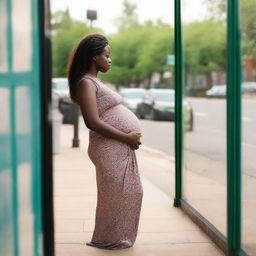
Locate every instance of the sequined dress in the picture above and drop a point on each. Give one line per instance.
(119, 188)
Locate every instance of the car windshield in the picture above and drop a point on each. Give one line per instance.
(133, 95)
(164, 96)
(60, 85)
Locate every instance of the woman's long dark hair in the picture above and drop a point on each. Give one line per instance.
(80, 59)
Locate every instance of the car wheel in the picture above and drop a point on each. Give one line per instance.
(139, 115)
(153, 115)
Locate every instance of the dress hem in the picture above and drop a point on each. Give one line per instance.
(111, 246)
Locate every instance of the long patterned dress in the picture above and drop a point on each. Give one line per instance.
(119, 188)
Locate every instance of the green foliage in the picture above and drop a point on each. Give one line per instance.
(205, 44)
(248, 26)
(153, 55)
(66, 35)
(138, 52)
(129, 18)
(218, 10)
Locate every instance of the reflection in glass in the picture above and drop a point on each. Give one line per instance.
(26, 227)
(248, 43)
(23, 110)
(205, 89)
(24, 157)
(22, 35)
(3, 37)
(6, 233)
(6, 230)
(5, 111)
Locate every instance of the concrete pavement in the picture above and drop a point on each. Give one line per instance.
(163, 229)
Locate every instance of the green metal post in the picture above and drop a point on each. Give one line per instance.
(234, 130)
(178, 73)
(36, 131)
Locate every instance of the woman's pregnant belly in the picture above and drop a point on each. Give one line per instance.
(101, 148)
(121, 118)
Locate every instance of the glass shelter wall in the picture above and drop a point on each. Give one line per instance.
(205, 163)
(248, 55)
(20, 130)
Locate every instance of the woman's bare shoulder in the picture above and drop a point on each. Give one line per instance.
(85, 88)
(86, 82)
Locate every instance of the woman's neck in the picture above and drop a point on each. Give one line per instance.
(92, 72)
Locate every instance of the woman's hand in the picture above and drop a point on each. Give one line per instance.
(133, 139)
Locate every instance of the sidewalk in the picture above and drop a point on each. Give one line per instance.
(163, 230)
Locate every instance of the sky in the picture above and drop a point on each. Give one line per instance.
(109, 10)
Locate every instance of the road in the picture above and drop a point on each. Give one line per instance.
(205, 147)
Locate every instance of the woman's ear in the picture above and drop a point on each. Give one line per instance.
(94, 58)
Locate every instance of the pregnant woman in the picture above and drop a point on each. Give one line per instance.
(113, 138)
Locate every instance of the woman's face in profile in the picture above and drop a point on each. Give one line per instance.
(103, 61)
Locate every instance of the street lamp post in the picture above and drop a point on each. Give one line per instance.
(91, 15)
(76, 142)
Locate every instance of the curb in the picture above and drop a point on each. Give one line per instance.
(157, 152)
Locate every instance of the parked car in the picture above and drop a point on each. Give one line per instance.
(159, 104)
(67, 109)
(60, 86)
(217, 91)
(60, 91)
(249, 87)
(132, 97)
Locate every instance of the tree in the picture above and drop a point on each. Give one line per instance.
(154, 54)
(61, 20)
(248, 26)
(66, 34)
(129, 18)
(138, 52)
(204, 48)
(217, 9)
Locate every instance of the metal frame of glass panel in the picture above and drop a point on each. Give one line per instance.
(232, 244)
(47, 158)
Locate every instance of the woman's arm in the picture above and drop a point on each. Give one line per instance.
(86, 97)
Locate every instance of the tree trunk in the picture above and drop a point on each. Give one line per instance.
(161, 77)
(208, 80)
(148, 85)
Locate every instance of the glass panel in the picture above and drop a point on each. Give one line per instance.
(23, 110)
(3, 37)
(248, 43)
(6, 233)
(22, 35)
(24, 172)
(26, 227)
(204, 35)
(5, 111)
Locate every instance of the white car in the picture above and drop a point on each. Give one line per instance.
(60, 87)
(61, 99)
(132, 97)
(159, 104)
(249, 87)
(217, 91)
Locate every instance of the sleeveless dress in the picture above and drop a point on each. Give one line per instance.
(119, 188)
